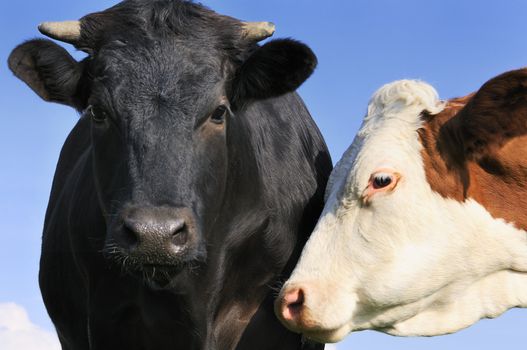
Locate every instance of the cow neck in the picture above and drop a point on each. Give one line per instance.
(240, 302)
(497, 181)
(232, 301)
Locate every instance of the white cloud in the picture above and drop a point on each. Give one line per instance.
(17, 332)
(330, 347)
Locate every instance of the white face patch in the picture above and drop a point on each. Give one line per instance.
(406, 261)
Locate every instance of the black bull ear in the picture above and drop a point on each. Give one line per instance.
(48, 69)
(276, 68)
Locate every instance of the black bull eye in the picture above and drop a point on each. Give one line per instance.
(97, 114)
(218, 116)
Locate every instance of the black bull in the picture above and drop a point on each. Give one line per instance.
(185, 192)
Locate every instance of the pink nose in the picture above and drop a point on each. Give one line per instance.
(292, 304)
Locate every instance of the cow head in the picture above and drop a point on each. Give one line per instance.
(423, 231)
(160, 86)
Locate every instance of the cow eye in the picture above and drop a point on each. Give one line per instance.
(218, 116)
(97, 114)
(382, 180)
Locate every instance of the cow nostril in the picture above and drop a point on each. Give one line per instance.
(130, 237)
(180, 235)
(293, 304)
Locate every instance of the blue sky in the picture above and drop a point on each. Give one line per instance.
(361, 44)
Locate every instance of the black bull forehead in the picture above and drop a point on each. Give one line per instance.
(161, 80)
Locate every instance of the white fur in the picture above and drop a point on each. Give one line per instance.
(410, 262)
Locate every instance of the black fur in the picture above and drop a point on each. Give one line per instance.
(277, 67)
(251, 185)
(48, 69)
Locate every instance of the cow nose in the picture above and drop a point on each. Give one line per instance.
(157, 233)
(139, 232)
(291, 305)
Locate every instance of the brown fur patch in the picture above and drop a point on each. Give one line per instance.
(477, 148)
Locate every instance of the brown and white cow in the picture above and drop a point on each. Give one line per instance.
(424, 228)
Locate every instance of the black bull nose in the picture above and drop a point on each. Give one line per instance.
(158, 235)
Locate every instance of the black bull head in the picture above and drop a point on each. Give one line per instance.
(192, 167)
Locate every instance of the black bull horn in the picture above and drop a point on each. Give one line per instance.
(70, 31)
(256, 31)
(67, 31)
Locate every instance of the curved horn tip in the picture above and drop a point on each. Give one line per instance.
(259, 30)
(269, 27)
(68, 31)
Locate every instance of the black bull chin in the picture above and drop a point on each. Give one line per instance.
(163, 277)
(157, 276)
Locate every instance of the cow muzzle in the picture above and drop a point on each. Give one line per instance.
(298, 307)
(150, 239)
(290, 307)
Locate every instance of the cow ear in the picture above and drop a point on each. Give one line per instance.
(276, 68)
(48, 69)
(494, 115)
